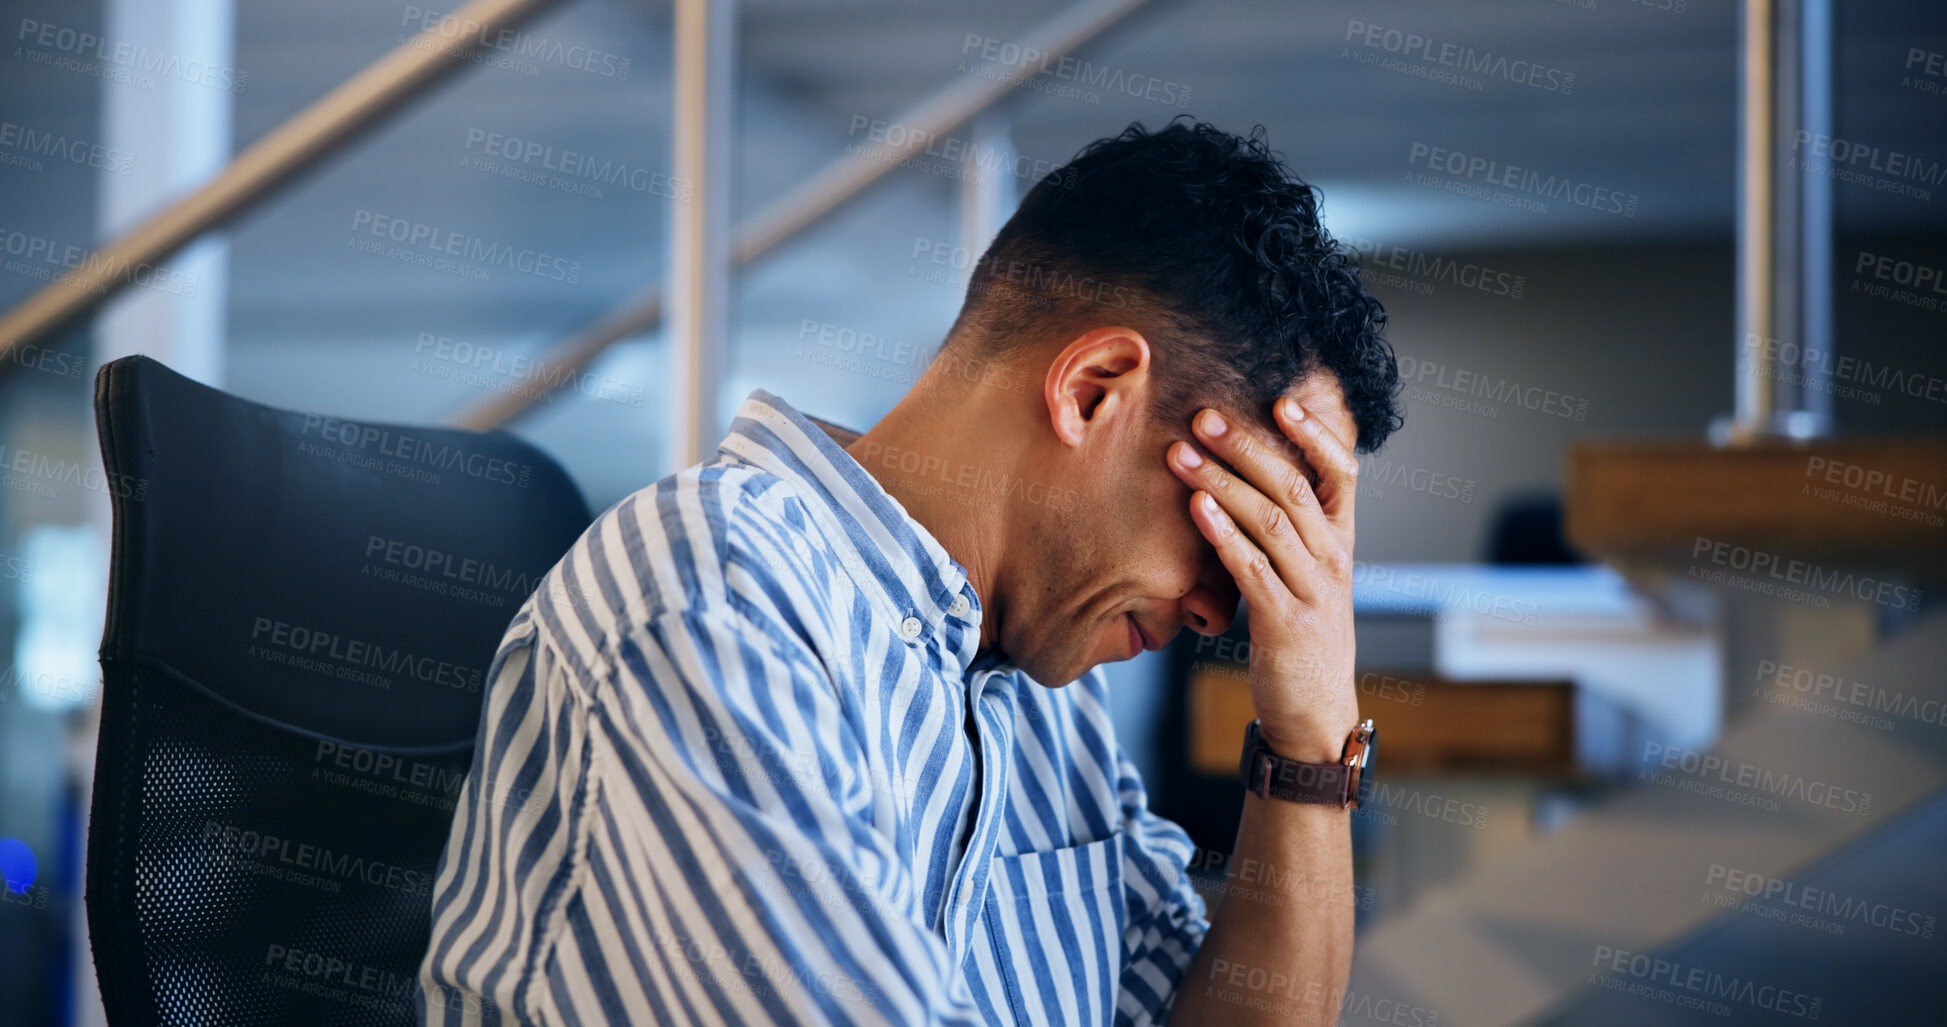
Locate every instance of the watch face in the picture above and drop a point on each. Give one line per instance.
(1365, 765)
(1247, 766)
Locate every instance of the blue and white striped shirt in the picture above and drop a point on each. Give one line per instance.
(742, 761)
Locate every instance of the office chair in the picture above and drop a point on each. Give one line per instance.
(301, 613)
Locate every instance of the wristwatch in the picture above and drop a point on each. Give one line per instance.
(1343, 784)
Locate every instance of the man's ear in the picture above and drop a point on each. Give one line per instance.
(1097, 380)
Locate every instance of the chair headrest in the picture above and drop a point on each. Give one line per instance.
(344, 578)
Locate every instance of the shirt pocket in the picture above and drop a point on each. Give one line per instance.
(1054, 920)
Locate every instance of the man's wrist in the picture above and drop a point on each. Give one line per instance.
(1315, 742)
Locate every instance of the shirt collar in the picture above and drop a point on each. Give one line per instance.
(896, 561)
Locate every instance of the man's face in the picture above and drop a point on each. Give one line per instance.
(1127, 553)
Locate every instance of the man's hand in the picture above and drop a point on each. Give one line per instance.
(1286, 539)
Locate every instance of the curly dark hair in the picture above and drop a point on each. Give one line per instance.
(1206, 241)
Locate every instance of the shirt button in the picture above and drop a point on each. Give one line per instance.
(960, 606)
(909, 628)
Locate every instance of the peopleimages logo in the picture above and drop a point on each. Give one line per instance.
(388, 768)
(466, 32)
(1037, 284)
(1412, 45)
(1880, 169)
(1926, 70)
(968, 479)
(397, 453)
(396, 988)
(1396, 588)
(45, 259)
(306, 648)
(1429, 269)
(135, 60)
(501, 370)
(14, 568)
(1822, 901)
(1304, 998)
(693, 958)
(1695, 986)
(1519, 180)
(1700, 767)
(1376, 473)
(444, 573)
(864, 344)
(1422, 374)
(1901, 272)
(1903, 281)
(959, 154)
(529, 160)
(65, 472)
(1431, 805)
(1822, 370)
(67, 691)
(1813, 686)
(28, 144)
(1876, 491)
(1031, 64)
(417, 236)
(230, 842)
(41, 358)
(1798, 572)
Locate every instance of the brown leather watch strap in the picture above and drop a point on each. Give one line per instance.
(1272, 776)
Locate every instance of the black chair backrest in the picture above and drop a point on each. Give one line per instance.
(301, 613)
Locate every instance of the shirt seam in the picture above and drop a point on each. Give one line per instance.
(1008, 971)
(550, 918)
(861, 577)
(829, 511)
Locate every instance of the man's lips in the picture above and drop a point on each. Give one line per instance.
(1139, 640)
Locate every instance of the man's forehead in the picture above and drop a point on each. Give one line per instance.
(1319, 395)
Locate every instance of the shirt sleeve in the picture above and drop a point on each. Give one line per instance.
(1167, 919)
(733, 872)
(508, 841)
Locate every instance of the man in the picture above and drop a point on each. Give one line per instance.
(811, 733)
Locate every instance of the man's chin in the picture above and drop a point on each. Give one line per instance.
(1055, 664)
(1054, 673)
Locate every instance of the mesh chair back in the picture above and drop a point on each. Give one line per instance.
(300, 618)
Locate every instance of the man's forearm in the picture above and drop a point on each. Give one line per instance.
(1280, 946)
(1284, 532)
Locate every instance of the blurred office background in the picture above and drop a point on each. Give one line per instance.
(1530, 692)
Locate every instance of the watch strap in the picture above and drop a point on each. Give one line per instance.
(1271, 776)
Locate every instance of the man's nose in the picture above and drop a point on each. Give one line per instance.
(1211, 604)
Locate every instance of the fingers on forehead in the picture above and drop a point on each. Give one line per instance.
(1331, 451)
(1277, 444)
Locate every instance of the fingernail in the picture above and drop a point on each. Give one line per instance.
(1188, 456)
(1209, 503)
(1292, 411)
(1213, 423)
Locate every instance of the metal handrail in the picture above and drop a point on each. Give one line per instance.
(804, 206)
(360, 103)
(357, 106)
(1784, 226)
